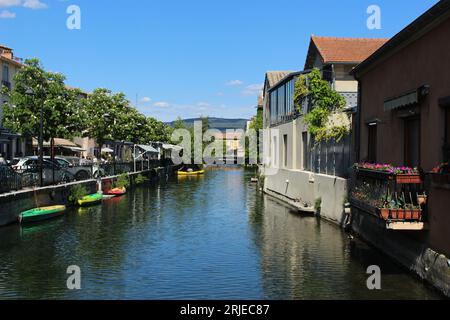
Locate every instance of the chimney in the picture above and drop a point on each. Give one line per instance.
(6, 52)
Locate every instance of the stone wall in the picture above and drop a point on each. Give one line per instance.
(12, 204)
(306, 187)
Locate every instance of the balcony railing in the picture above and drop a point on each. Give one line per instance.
(393, 198)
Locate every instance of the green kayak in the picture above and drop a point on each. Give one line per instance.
(40, 214)
(90, 200)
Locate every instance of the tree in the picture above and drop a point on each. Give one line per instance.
(104, 114)
(42, 97)
(34, 89)
(323, 121)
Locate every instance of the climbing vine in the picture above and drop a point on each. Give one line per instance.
(325, 121)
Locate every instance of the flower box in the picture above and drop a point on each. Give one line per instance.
(408, 178)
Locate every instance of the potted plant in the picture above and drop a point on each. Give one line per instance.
(422, 199)
(384, 213)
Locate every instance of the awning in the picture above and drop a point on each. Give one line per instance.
(402, 101)
(147, 149)
(63, 143)
(107, 150)
(172, 147)
(75, 149)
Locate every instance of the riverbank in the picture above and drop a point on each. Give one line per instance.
(12, 204)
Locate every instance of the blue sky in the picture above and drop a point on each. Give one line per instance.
(187, 58)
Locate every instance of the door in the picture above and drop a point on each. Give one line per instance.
(412, 141)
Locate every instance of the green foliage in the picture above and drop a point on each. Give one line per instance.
(110, 117)
(102, 115)
(301, 91)
(257, 121)
(326, 104)
(140, 179)
(318, 204)
(179, 124)
(123, 181)
(77, 192)
(60, 105)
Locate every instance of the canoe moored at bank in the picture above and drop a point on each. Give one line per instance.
(190, 173)
(41, 214)
(116, 192)
(90, 200)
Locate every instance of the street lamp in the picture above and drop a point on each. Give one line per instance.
(31, 93)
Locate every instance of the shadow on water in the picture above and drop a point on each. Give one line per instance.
(208, 237)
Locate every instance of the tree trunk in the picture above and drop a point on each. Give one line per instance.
(100, 146)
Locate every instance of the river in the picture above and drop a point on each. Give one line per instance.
(211, 237)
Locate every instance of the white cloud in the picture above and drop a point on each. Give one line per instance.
(161, 104)
(34, 4)
(10, 3)
(5, 14)
(145, 100)
(234, 83)
(29, 4)
(203, 104)
(253, 89)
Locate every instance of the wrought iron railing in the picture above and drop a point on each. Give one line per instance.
(29, 176)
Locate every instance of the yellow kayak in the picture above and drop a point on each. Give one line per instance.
(192, 173)
(90, 200)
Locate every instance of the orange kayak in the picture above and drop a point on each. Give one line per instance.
(116, 192)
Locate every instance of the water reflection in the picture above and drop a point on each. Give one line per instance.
(211, 237)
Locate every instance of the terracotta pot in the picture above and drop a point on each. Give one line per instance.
(384, 214)
(408, 214)
(417, 214)
(394, 214)
(422, 200)
(398, 214)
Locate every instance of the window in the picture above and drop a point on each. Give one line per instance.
(372, 143)
(5, 76)
(273, 107)
(412, 141)
(285, 150)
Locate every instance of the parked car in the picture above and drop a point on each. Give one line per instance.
(30, 171)
(79, 172)
(79, 165)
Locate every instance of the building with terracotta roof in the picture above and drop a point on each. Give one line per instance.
(298, 169)
(336, 58)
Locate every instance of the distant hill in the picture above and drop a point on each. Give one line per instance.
(218, 123)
